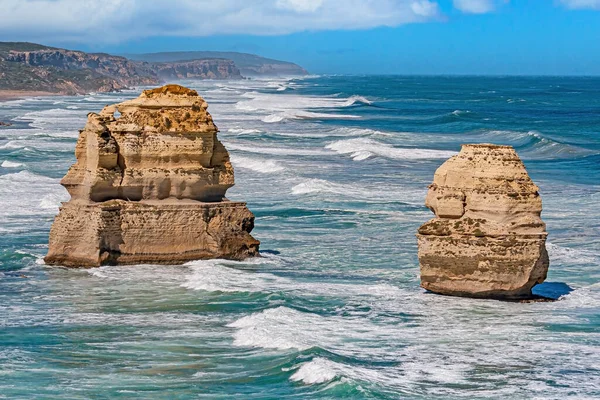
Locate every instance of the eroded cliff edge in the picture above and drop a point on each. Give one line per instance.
(488, 238)
(36, 68)
(149, 186)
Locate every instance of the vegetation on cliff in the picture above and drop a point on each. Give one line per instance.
(249, 64)
(34, 67)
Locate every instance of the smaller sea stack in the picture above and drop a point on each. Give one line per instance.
(487, 239)
(149, 187)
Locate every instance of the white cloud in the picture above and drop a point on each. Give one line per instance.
(120, 20)
(580, 4)
(474, 6)
(425, 8)
(300, 5)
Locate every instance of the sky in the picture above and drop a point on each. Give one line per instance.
(482, 37)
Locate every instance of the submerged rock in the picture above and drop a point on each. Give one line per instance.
(487, 239)
(149, 187)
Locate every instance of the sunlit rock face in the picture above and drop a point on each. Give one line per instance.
(487, 238)
(149, 186)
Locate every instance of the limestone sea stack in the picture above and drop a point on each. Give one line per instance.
(487, 238)
(149, 186)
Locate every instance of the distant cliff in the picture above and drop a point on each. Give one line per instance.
(249, 64)
(34, 67)
(196, 69)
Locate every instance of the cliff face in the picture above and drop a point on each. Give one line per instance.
(197, 69)
(487, 239)
(122, 70)
(249, 64)
(149, 186)
(30, 67)
(274, 69)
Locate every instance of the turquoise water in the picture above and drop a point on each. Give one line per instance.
(336, 170)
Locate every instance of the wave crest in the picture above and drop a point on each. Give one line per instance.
(363, 148)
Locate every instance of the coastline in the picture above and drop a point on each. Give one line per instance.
(6, 95)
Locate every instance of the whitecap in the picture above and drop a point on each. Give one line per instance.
(256, 164)
(363, 148)
(318, 370)
(231, 276)
(10, 164)
(460, 112)
(568, 255)
(242, 131)
(213, 276)
(339, 191)
(276, 150)
(25, 195)
(280, 107)
(321, 185)
(357, 99)
(12, 144)
(56, 118)
(281, 328)
(270, 119)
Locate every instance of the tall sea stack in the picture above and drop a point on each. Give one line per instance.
(149, 187)
(487, 238)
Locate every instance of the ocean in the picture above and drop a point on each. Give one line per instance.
(336, 170)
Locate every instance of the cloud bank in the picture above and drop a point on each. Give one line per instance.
(121, 20)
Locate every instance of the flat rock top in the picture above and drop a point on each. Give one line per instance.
(486, 146)
(168, 96)
(170, 108)
(175, 90)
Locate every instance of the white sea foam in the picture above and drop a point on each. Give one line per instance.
(318, 370)
(10, 164)
(363, 192)
(242, 131)
(324, 186)
(25, 194)
(460, 112)
(300, 114)
(61, 134)
(311, 131)
(282, 107)
(228, 276)
(567, 255)
(12, 144)
(587, 297)
(282, 151)
(56, 118)
(256, 164)
(363, 148)
(211, 276)
(282, 328)
(269, 119)
(12, 103)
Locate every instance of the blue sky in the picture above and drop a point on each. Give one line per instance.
(557, 37)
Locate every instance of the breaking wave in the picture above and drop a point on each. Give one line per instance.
(256, 164)
(363, 148)
(286, 107)
(10, 164)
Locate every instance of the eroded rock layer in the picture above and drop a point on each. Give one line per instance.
(149, 185)
(487, 239)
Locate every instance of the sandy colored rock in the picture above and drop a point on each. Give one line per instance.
(149, 186)
(488, 238)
